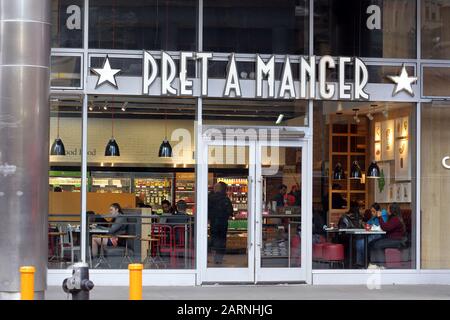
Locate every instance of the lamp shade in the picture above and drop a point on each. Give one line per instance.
(373, 171)
(165, 150)
(112, 148)
(356, 171)
(58, 148)
(338, 173)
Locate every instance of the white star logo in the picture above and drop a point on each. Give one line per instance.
(403, 82)
(106, 74)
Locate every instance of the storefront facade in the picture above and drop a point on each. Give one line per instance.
(228, 85)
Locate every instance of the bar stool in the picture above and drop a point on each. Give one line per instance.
(56, 254)
(317, 254)
(102, 259)
(126, 256)
(333, 253)
(149, 259)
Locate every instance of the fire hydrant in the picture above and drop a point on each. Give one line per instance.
(78, 284)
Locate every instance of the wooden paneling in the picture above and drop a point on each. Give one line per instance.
(70, 202)
(435, 192)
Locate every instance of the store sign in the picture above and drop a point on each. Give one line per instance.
(446, 162)
(312, 84)
(264, 69)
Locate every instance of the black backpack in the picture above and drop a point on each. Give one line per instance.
(346, 222)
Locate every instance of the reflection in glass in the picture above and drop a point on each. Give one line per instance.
(65, 71)
(281, 215)
(143, 24)
(67, 23)
(271, 26)
(435, 29)
(385, 29)
(228, 207)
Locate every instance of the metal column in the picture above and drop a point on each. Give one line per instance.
(24, 141)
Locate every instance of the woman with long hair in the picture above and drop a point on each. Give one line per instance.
(395, 234)
(118, 227)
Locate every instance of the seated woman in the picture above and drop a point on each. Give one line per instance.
(118, 227)
(373, 221)
(395, 234)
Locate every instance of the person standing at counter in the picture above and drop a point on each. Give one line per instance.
(118, 227)
(220, 209)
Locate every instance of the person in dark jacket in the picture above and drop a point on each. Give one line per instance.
(119, 226)
(395, 234)
(220, 210)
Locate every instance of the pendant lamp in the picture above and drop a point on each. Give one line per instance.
(165, 149)
(58, 148)
(338, 173)
(356, 171)
(112, 148)
(373, 171)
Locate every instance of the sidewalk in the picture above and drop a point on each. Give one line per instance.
(272, 292)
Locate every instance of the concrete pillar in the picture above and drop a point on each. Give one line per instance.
(24, 141)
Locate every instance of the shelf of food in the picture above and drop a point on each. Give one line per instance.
(153, 190)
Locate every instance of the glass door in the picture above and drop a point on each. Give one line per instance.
(255, 205)
(280, 213)
(230, 218)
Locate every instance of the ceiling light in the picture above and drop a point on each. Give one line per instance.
(124, 107)
(280, 118)
(339, 109)
(385, 113)
(356, 171)
(112, 148)
(373, 171)
(165, 149)
(355, 117)
(370, 116)
(58, 148)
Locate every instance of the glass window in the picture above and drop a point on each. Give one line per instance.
(436, 82)
(270, 26)
(64, 182)
(435, 29)
(364, 167)
(65, 71)
(140, 156)
(143, 24)
(435, 186)
(67, 23)
(242, 112)
(386, 29)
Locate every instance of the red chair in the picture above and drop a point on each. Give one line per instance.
(333, 253)
(179, 245)
(164, 233)
(296, 251)
(318, 251)
(393, 258)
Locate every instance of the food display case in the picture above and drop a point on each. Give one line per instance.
(237, 192)
(111, 182)
(67, 181)
(154, 188)
(185, 189)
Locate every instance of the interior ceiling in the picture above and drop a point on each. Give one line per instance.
(365, 107)
(173, 107)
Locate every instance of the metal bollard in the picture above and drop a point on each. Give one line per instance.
(135, 281)
(27, 282)
(79, 284)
